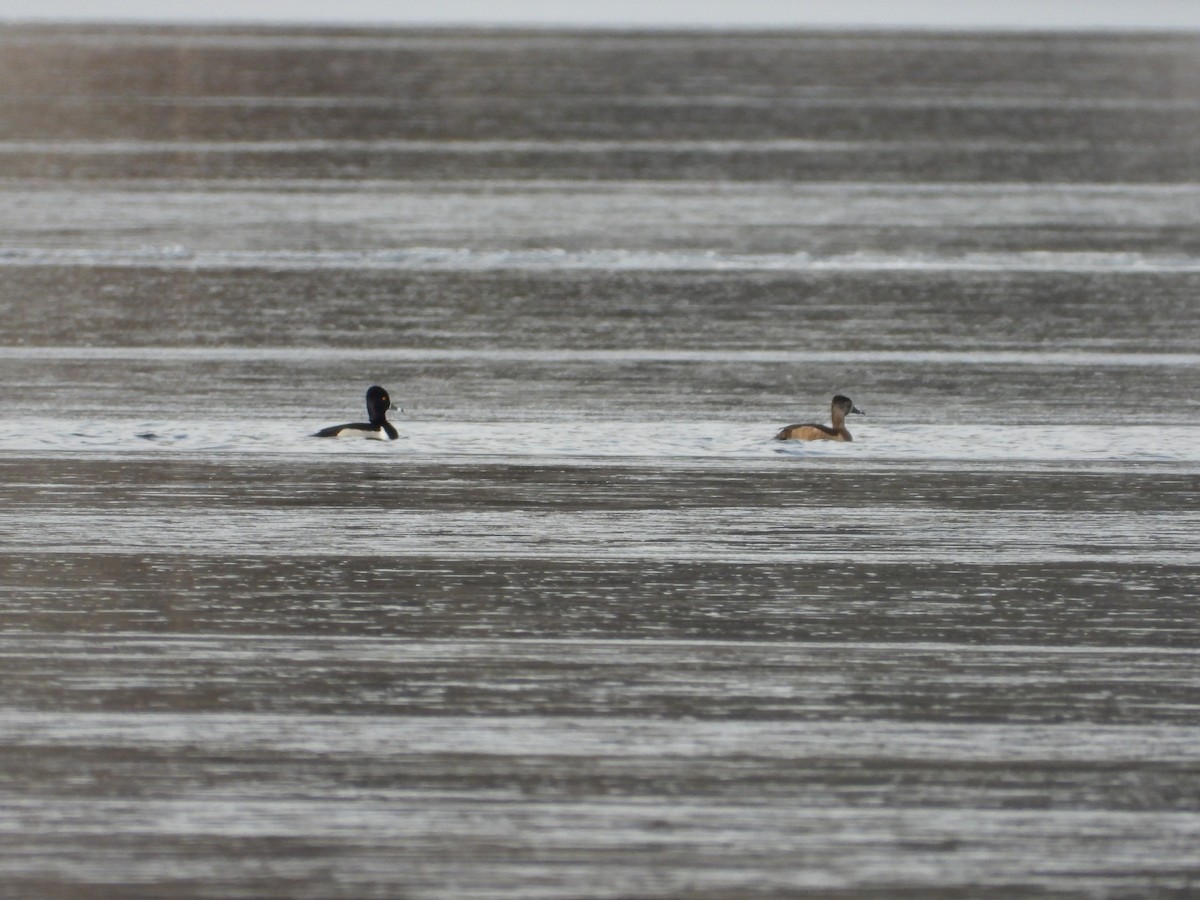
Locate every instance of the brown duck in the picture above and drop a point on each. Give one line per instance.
(835, 431)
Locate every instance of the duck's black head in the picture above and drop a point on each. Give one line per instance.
(846, 405)
(378, 403)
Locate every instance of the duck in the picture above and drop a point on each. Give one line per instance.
(378, 403)
(836, 431)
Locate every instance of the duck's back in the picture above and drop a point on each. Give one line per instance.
(810, 431)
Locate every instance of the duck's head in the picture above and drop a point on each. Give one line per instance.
(378, 403)
(846, 406)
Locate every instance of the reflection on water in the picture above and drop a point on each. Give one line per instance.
(585, 629)
(707, 518)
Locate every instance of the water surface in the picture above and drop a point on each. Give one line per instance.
(585, 629)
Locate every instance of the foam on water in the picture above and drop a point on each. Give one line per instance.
(976, 357)
(555, 259)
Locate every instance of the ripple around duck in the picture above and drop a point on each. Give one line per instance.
(744, 442)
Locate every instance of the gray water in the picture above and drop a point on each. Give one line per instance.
(585, 629)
